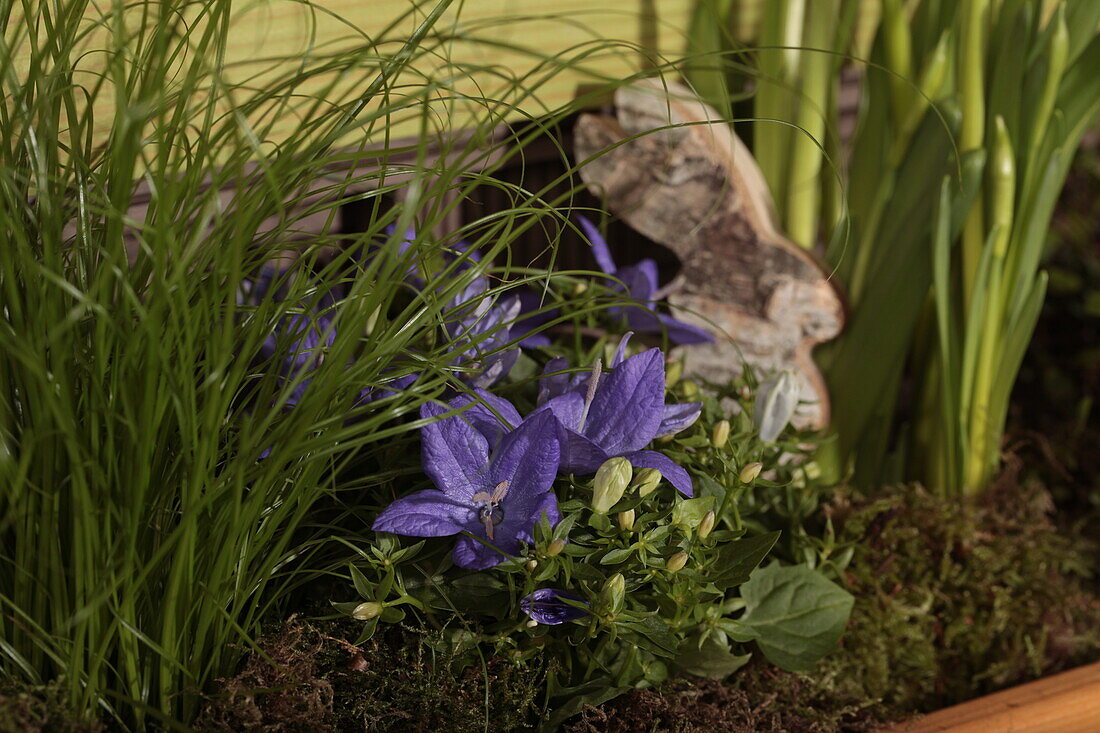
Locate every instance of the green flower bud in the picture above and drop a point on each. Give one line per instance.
(531, 565)
(610, 483)
(720, 434)
(532, 623)
(626, 520)
(646, 481)
(676, 562)
(673, 372)
(367, 611)
(750, 472)
(690, 390)
(706, 524)
(555, 547)
(580, 287)
(612, 595)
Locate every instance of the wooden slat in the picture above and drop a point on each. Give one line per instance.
(1064, 703)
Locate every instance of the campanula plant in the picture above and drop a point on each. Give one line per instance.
(618, 527)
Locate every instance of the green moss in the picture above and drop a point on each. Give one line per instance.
(39, 709)
(954, 602)
(309, 677)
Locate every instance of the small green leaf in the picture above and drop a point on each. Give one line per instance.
(713, 660)
(663, 641)
(362, 586)
(689, 512)
(796, 614)
(616, 556)
(393, 615)
(368, 631)
(737, 560)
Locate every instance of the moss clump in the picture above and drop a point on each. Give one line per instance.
(43, 709)
(954, 602)
(759, 699)
(307, 676)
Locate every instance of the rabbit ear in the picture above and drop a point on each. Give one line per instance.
(673, 170)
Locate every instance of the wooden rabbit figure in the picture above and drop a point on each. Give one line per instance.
(685, 180)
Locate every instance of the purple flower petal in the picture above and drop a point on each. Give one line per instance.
(523, 514)
(640, 281)
(371, 394)
(490, 415)
(568, 408)
(578, 453)
(454, 453)
(535, 341)
(669, 469)
(600, 249)
(546, 605)
(428, 513)
(528, 457)
(626, 411)
(553, 384)
(534, 315)
(620, 352)
(678, 417)
(519, 522)
(473, 555)
(684, 334)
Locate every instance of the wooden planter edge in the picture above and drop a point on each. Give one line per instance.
(1063, 703)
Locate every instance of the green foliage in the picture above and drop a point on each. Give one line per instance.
(794, 614)
(954, 602)
(664, 592)
(969, 115)
(142, 183)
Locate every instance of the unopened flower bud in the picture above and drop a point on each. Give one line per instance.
(626, 520)
(720, 434)
(673, 372)
(532, 623)
(612, 595)
(706, 524)
(367, 611)
(750, 472)
(690, 389)
(646, 481)
(676, 562)
(610, 483)
(555, 547)
(776, 401)
(580, 287)
(531, 565)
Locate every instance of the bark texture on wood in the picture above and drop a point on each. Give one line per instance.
(671, 169)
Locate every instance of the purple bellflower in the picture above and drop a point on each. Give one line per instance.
(492, 482)
(616, 413)
(546, 605)
(305, 337)
(481, 327)
(639, 283)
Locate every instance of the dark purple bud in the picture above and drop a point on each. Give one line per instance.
(546, 605)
